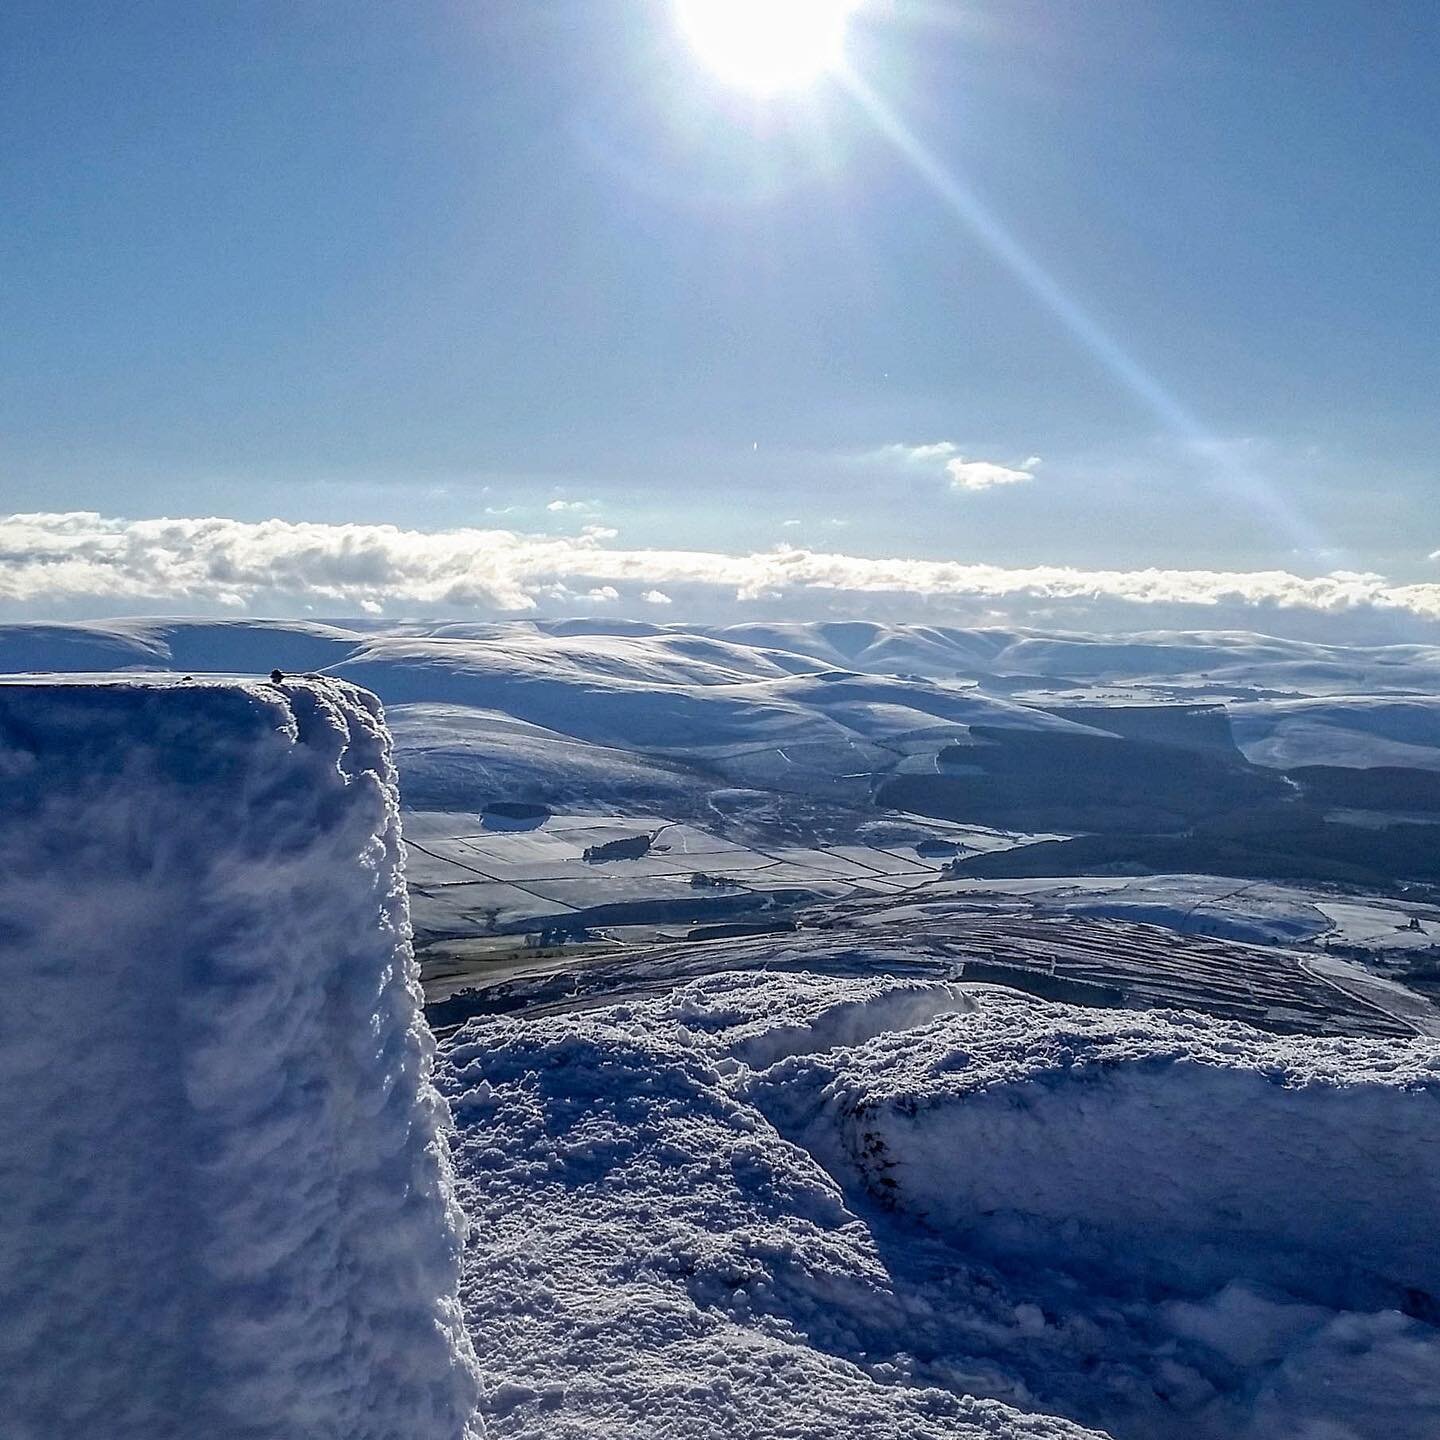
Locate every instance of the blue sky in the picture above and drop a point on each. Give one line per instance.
(450, 265)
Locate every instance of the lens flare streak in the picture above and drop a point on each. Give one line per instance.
(963, 202)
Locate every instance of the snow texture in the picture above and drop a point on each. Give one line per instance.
(228, 1202)
(652, 1260)
(1242, 1154)
(821, 1205)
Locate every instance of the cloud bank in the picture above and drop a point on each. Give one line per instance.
(82, 563)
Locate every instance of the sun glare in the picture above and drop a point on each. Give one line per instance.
(767, 46)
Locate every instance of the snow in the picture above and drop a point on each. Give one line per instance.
(810, 1204)
(229, 1208)
(680, 654)
(456, 756)
(629, 712)
(1351, 731)
(1383, 925)
(1219, 1132)
(1250, 911)
(651, 1259)
(1396, 1000)
(655, 695)
(764, 1187)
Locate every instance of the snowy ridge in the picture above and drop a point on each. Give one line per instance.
(838, 699)
(697, 654)
(229, 1205)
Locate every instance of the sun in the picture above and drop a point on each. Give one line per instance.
(767, 46)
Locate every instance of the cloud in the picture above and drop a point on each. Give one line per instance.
(84, 563)
(916, 454)
(656, 597)
(556, 507)
(983, 474)
(963, 474)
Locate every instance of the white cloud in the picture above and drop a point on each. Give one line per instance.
(557, 506)
(81, 562)
(983, 474)
(916, 454)
(656, 597)
(963, 474)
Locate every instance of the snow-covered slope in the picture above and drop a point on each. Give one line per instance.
(462, 757)
(1351, 731)
(679, 654)
(225, 646)
(227, 1204)
(671, 686)
(795, 732)
(1223, 656)
(1244, 1155)
(653, 1260)
(838, 1205)
(575, 713)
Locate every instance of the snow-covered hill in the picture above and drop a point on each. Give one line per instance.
(832, 689)
(684, 654)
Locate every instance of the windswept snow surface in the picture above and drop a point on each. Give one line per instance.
(827, 1205)
(652, 1259)
(228, 1207)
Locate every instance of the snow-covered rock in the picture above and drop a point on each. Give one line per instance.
(850, 1205)
(652, 1259)
(227, 1200)
(1165, 1147)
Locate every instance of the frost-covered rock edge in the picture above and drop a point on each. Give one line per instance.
(234, 1210)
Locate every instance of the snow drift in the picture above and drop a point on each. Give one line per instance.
(223, 1165)
(849, 1205)
(1160, 1148)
